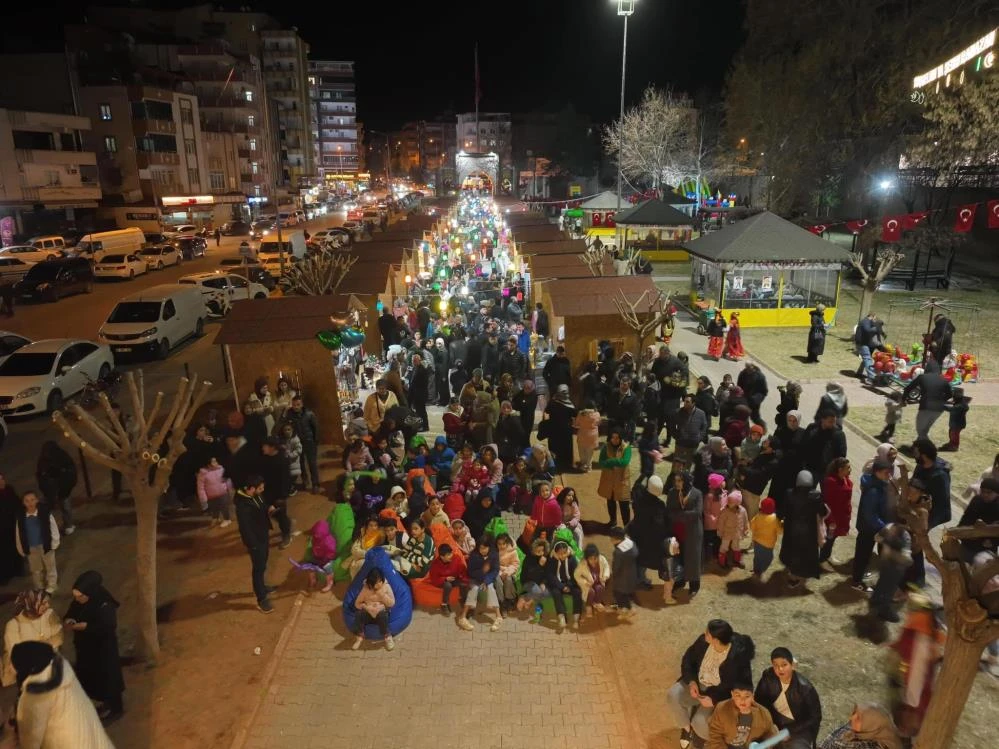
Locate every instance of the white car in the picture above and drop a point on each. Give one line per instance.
(220, 290)
(176, 231)
(13, 268)
(38, 378)
(30, 254)
(120, 266)
(11, 342)
(160, 256)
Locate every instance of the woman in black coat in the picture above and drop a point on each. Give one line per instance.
(650, 528)
(685, 508)
(817, 334)
(791, 699)
(56, 475)
(803, 510)
(561, 414)
(93, 618)
(11, 563)
(789, 443)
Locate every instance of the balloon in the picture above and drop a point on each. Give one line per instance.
(352, 337)
(330, 339)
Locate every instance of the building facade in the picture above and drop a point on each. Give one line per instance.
(337, 133)
(46, 171)
(492, 135)
(285, 63)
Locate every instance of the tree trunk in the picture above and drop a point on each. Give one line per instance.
(950, 693)
(867, 298)
(146, 509)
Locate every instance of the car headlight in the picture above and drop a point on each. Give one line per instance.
(144, 333)
(29, 392)
(42, 286)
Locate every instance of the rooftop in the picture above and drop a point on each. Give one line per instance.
(289, 318)
(594, 296)
(653, 213)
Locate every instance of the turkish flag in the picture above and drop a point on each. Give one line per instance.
(965, 217)
(609, 219)
(891, 228)
(598, 220)
(912, 220)
(855, 227)
(993, 208)
(818, 229)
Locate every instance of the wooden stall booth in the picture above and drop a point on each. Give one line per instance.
(276, 338)
(657, 229)
(770, 271)
(370, 283)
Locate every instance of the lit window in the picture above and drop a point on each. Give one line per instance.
(254, 168)
(253, 144)
(251, 120)
(249, 95)
(105, 112)
(110, 144)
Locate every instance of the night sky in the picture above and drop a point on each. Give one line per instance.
(417, 60)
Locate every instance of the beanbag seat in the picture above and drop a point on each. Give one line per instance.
(401, 614)
(454, 505)
(341, 523)
(426, 595)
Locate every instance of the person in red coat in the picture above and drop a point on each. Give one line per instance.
(547, 512)
(837, 493)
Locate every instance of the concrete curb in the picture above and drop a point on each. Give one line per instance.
(244, 730)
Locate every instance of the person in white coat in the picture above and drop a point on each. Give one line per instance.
(53, 711)
(592, 575)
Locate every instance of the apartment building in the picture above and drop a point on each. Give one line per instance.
(492, 136)
(285, 65)
(46, 172)
(336, 131)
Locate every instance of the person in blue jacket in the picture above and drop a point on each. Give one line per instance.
(872, 516)
(440, 458)
(483, 568)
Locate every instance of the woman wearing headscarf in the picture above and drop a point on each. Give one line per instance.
(558, 430)
(789, 442)
(685, 508)
(870, 727)
(803, 510)
(714, 457)
(33, 619)
(485, 415)
(790, 397)
(791, 699)
(53, 710)
(93, 617)
(816, 334)
(893, 487)
(651, 528)
(259, 412)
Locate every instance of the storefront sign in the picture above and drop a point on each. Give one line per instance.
(142, 216)
(7, 231)
(575, 191)
(767, 283)
(185, 200)
(944, 70)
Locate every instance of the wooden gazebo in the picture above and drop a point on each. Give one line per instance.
(657, 229)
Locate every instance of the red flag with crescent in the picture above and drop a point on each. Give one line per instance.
(855, 227)
(912, 220)
(818, 229)
(891, 228)
(993, 207)
(965, 217)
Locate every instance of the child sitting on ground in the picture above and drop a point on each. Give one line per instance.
(533, 578)
(562, 583)
(398, 501)
(483, 569)
(766, 527)
(447, 571)
(462, 536)
(509, 567)
(473, 477)
(572, 518)
(373, 605)
(320, 556)
(733, 526)
(592, 576)
(358, 457)
(434, 514)
(624, 569)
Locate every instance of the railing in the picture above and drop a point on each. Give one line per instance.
(146, 159)
(61, 192)
(64, 158)
(144, 126)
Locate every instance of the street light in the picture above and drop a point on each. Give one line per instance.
(624, 8)
(886, 184)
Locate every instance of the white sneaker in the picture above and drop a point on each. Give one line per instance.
(465, 624)
(358, 641)
(494, 627)
(561, 622)
(575, 621)
(69, 530)
(225, 524)
(389, 643)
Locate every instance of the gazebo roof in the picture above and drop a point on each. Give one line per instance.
(290, 318)
(605, 201)
(653, 213)
(765, 237)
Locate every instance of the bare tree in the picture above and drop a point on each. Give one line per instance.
(594, 258)
(645, 315)
(319, 274)
(969, 626)
(145, 470)
(885, 261)
(658, 136)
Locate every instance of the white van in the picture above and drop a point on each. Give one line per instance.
(52, 242)
(120, 241)
(154, 320)
(269, 253)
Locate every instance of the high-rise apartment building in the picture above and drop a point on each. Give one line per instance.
(334, 117)
(285, 60)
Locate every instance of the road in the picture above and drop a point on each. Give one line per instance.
(81, 317)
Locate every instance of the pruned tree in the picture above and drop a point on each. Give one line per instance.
(144, 455)
(969, 626)
(594, 258)
(645, 315)
(884, 262)
(319, 274)
(658, 136)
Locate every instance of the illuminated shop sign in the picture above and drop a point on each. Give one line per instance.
(982, 50)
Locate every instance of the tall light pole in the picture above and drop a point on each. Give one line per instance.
(624, 8)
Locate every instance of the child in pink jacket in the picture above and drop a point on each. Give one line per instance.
(733, 526)
(214, 492)
(714, 503)
(509, 571)
(587, 426)
(372, 605)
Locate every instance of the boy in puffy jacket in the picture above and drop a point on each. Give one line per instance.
(214, 492)
(447, 571)
(733, 526)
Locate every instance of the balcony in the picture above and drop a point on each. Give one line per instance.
(252, 179)
(145, 127)
(55, 158)
(209, 100)
(146, 159)
(216, 125)
(218, 73)
(61, 192)
(243, 153)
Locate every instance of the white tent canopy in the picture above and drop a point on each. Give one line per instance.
(605, 201)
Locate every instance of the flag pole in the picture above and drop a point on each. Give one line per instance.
(478, 148)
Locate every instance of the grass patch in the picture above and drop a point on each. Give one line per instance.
(678, 268)
(979, 442)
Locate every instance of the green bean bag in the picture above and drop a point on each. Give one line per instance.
(341, 522)
(564, 534)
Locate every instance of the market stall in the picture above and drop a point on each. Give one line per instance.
(597, 215)
(657, 229)
(769, 270)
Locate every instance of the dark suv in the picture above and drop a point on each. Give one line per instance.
(190, 246)
(51, 280)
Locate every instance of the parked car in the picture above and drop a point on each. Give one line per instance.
(13, 268)
(287, 219)
(176, 231)
(11, 342)
(235, 228)
(159, 256)
(251, 270)
(154, 320)
(30, 254)
(37, 378)
(220, 290)
(120, 266)
(53, 242)
(155, 237)
(190, 246)
(51, 280)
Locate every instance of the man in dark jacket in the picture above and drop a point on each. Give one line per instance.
(623, 409)
(934, 474)
(872, 516)
(690, 427)
(824, 441)
(307, 429)
(525, 402)
(717, 661)
(253, 517)
(512, 361)
(388, 328)
(419, 383)
(273, 468)
(754, 385)
(541, 325)
(238, 458)
(934, 392)
(442, 365)
(490, 359)
(557, 370)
